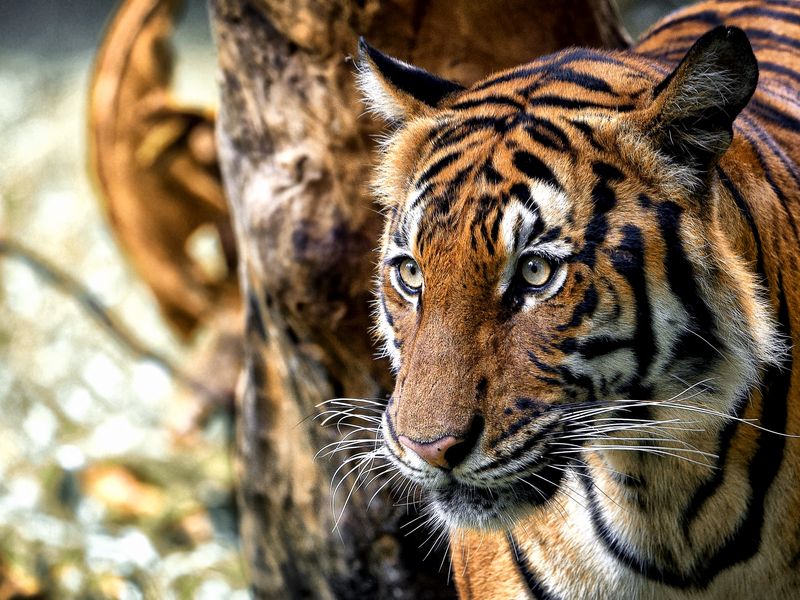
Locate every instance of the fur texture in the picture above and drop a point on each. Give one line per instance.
(628, 429)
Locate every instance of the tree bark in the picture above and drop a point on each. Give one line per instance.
(296, 154)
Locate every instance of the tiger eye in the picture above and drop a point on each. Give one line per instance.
(410, 274)
(535, 270)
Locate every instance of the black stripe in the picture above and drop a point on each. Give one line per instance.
(710, 486)
(600, 346)
(751, 222)
(775, 115)
(400, 238)
(479, 219)
(581, 381)
(603, 200)
(674, 55)
(573, 104)
(532, 167)
(254, 323)
(635, 562)
(762, 34)
(681, 278)
(536, 588)
(588, 132)
(449, 135)
(584, 80)
(709, 17)
(539, 364)
(552, 234)
(763, 468)
(567, 57)
(779, 69)
(765, 139)
(628, 260)
(607, 172)
(498, 217)
(487, 238)
(760, 11)
(387, 315)
(493, 100)
(585, 307)
(767, 460)
(437, 167)
(533, 440)
(547, 134)
(522, 194)
(491, 174)
(456, 133)
(745, 541)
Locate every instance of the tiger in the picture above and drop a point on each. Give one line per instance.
(588, 292)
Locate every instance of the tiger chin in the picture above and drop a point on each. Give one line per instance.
(588, 290)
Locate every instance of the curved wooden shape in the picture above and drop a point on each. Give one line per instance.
(155, 165)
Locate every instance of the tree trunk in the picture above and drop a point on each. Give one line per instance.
(296, 153)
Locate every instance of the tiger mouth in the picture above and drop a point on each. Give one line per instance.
(461, 504)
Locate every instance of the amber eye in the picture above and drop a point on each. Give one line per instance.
(536, 271)
(410, 274)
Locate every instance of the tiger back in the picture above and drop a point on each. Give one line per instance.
(589, 293)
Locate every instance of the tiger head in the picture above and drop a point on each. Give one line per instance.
(562, 271)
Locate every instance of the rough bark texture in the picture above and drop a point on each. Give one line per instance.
(296, 154)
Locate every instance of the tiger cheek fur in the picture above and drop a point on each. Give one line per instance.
(579, 296)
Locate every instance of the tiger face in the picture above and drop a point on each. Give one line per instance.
(561, 280)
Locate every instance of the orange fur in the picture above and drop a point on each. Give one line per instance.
(672, 299)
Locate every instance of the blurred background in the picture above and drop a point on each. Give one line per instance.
(107, 488)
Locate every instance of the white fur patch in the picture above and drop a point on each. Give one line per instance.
(518, 223)
(378, 94)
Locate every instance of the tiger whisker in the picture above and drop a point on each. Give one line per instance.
(364, 465)
(563, 489)
(642, 449)
(361, 461)
(345, 443)
(377, 402)
(383, 485)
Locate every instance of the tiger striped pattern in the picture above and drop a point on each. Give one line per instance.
(589, 293)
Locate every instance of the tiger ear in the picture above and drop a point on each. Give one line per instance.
(396, 90)
(693, 109)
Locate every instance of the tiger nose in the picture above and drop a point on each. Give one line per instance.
(434, 452)
(448, 451)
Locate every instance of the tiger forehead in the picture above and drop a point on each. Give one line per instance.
(481, 131)
(569, 81)
(493, 219)
(471, 188)
(466, 156)
(510, 139)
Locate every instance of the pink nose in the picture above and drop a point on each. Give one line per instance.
(434, 452)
